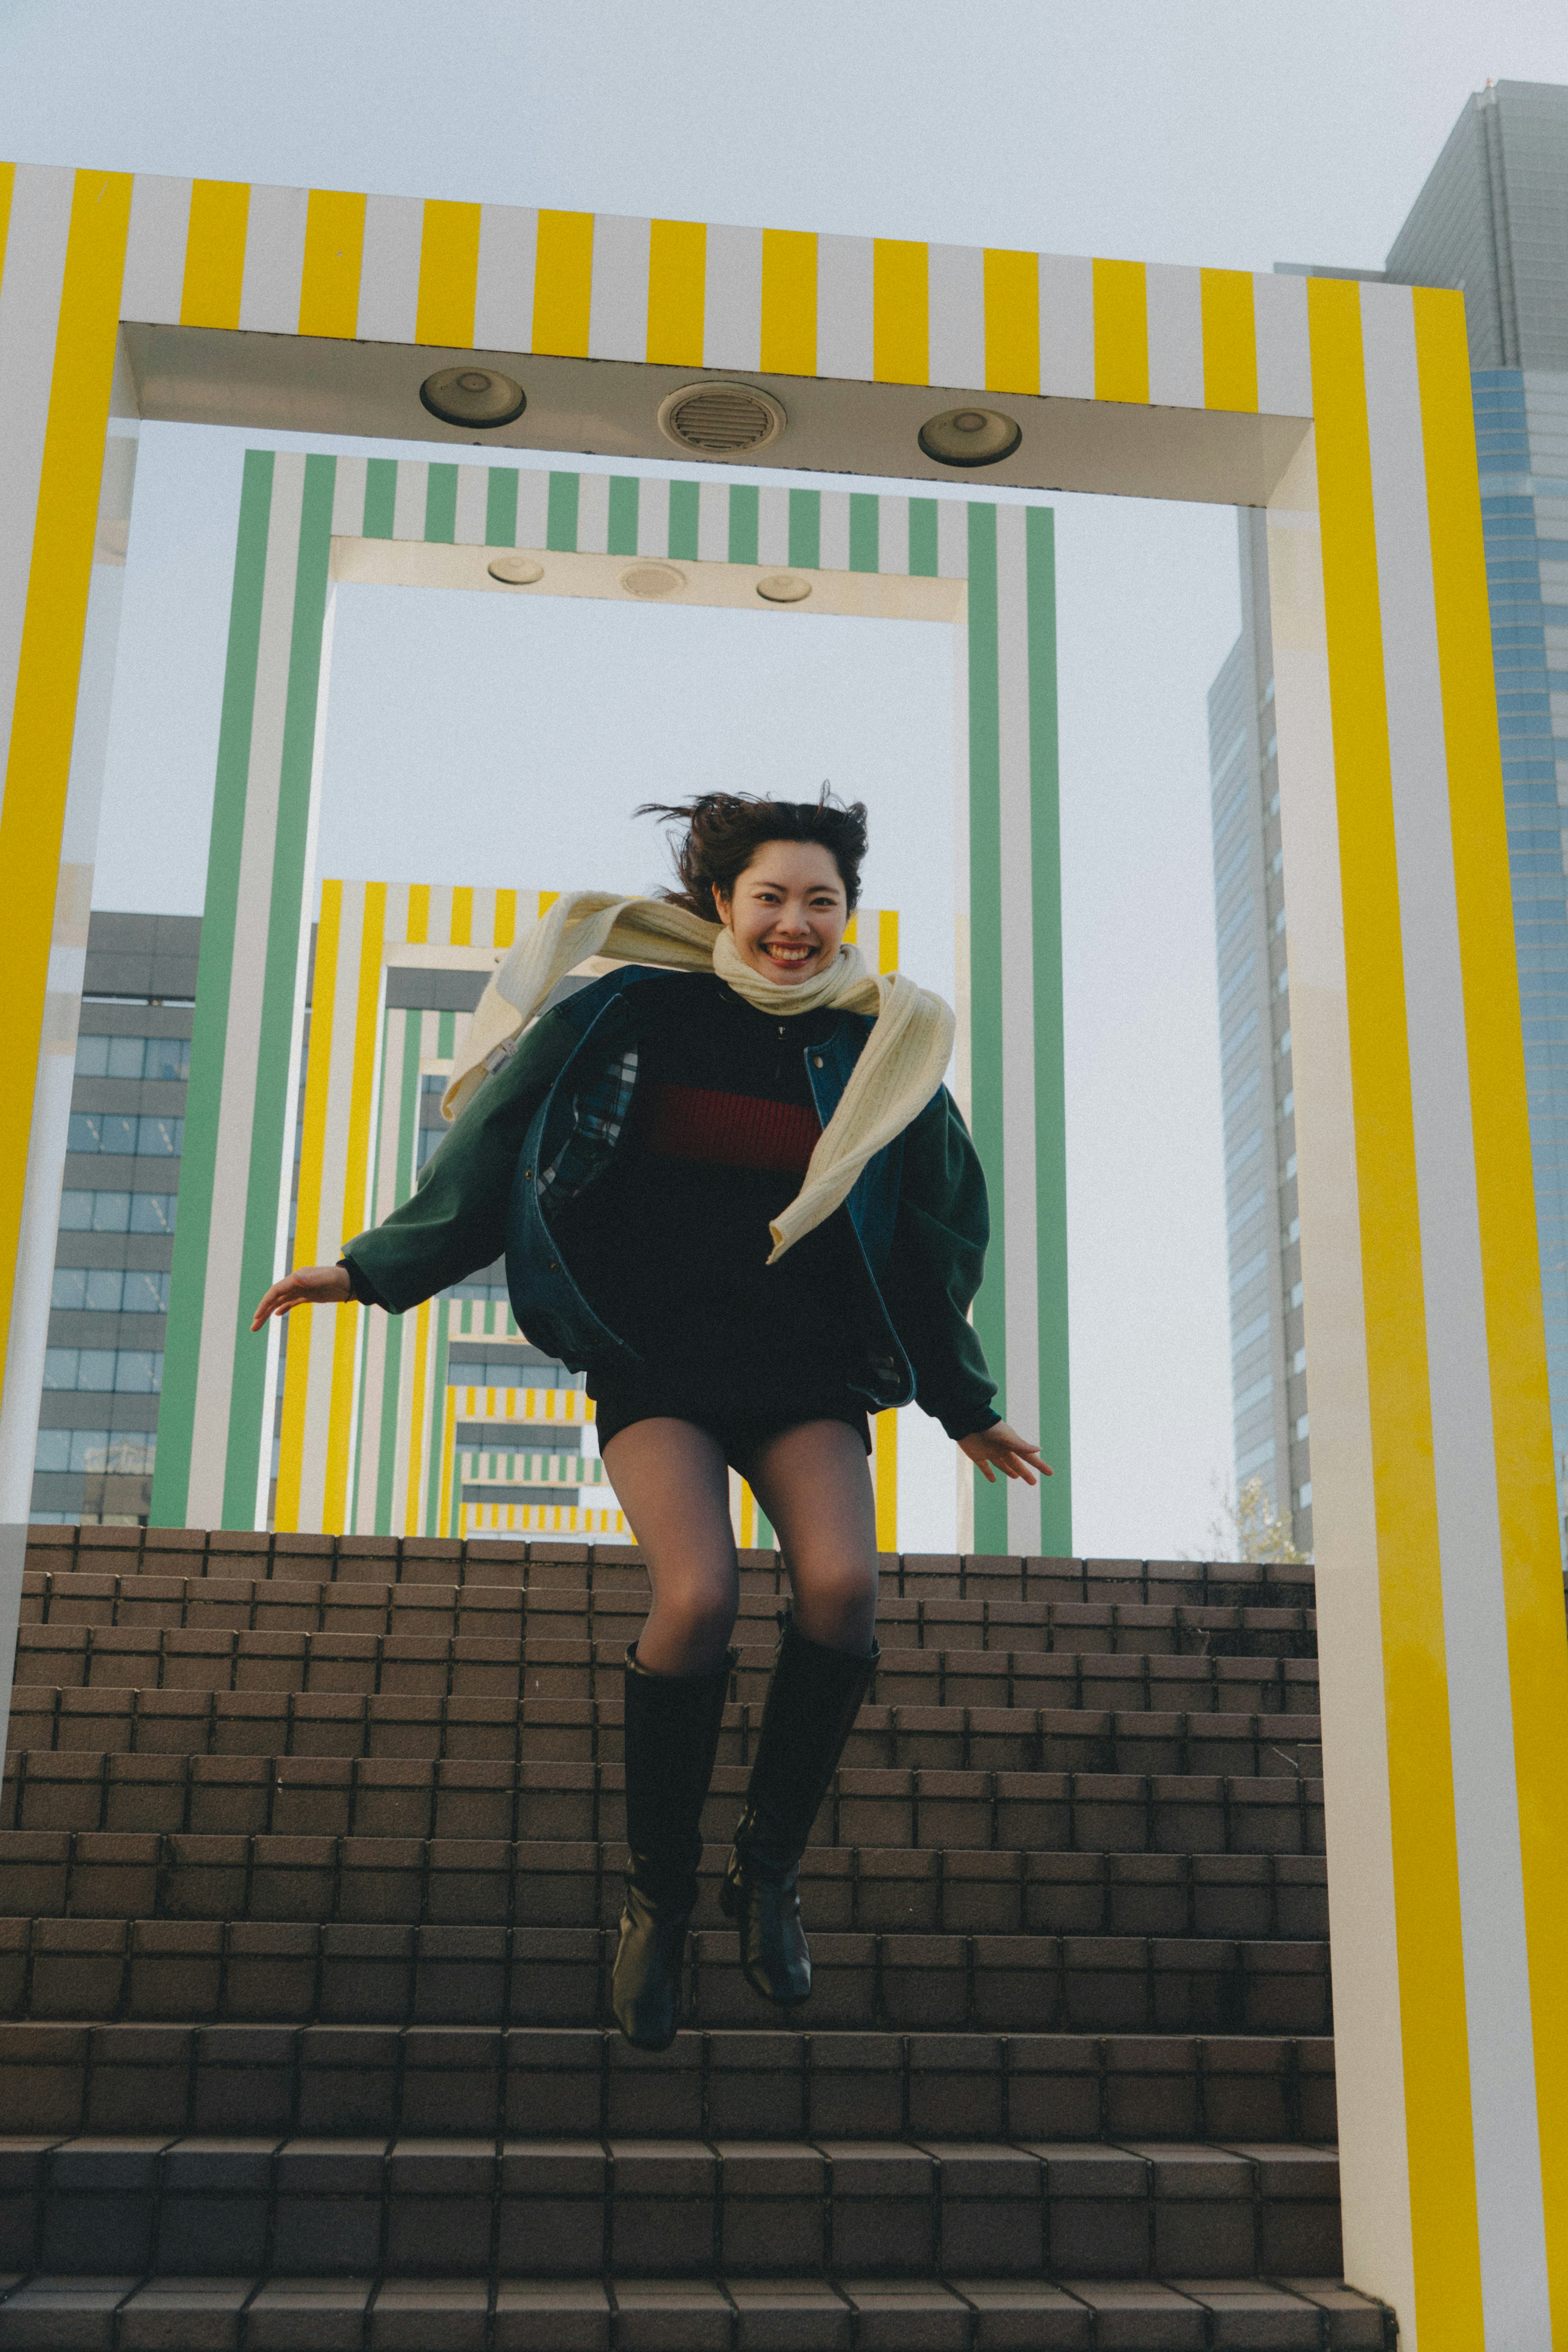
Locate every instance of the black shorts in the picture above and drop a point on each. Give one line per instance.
(620, 1400)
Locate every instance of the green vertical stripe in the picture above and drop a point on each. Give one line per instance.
(204, 1101)
(381, 497)
(250, 1408)
(435, 1452)
(1050, 1092)
(865, 518)
(985, 976)
(686, 501)
(806, 528)
(623, 497)
(560, 524)
(445, 1036)
(393, 1403)
(744, 499)
(441, 505)
(501, 508)
(923, 538)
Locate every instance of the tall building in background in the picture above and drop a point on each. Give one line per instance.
(1492, 219)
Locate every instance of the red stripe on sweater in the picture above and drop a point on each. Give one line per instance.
(735, 1130)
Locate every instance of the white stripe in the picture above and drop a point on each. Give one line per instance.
(154, 281)
(504, 294)
(834, 541)
(533, 505)
(274, 261)
(618, 298)
(1284, 354)
(29, 318)
(893, 536)
(389, 273)
(348, 498)
(411, 497)
(472, 503)
(713, 522)
(1176, 336)
(231, 1204)
(845, 295)
(592, 513)
(732, 301)
(653, 517)
(958, 312)
(1511, 2210)
(952, 540)
(1017, 900)
(1066, 327)
(772, 525)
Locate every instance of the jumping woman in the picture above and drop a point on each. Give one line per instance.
(732, 1190)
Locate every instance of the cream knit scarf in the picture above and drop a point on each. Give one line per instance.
(894, 1078)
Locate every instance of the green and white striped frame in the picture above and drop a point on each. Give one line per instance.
(309, 522)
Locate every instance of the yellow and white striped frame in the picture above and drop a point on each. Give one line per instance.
(1344, 409)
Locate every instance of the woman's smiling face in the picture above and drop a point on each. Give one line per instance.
(788, 911)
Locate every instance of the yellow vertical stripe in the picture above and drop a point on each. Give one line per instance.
(356, 1185)
(7, 187)
(788, 301)
(214, 253)
(418, 1407)
(887, 941)
(1229, 339)
(1121, 330)
(334, 252)
(563, 280)
(506, 917)
(1516, 1338)
(1012, 322)
(1439, 2140)
(678, 284)
(901, 321)
(293, 1413)
(462, 932)
(418, 914)
(49, 657)
(444, 1514)
(448, 274)
(884, 1469)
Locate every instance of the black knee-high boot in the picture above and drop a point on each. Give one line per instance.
(672, 1738)
(812, 1701)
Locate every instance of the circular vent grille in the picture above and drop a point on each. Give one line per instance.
(720, 420)
(652, 580)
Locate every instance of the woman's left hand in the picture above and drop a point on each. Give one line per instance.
(1014, 1456)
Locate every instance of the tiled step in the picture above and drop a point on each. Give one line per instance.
(178, 1551)
(728, 2314)
(418, 2082)
(279, 1605)
(341, 1796)
(304, 1972)
(555, 1882)
(682, 2207)
(68, 1657)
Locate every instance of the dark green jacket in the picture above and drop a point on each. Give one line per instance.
(918, 1212)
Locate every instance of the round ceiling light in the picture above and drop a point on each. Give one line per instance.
(472, 397)
(648, 580)
(783, 587)
(720, 420)
(969, 437)
(516, 571)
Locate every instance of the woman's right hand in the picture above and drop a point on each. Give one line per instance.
(308, 1285)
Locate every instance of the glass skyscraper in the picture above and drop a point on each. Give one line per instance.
(1493, 219)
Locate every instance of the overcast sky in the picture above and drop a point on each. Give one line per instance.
(1235, 132)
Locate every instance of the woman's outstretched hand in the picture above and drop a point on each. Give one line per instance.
(1014, 1456)
(308, 1285)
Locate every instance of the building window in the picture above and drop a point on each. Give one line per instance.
(128, 1371)
(163, 1059)
(106, 1291)
(145, 1138)
(117, 1213)
(1299, 1361)
(1304, 1497)
(100, 1452)
(1300, 1428)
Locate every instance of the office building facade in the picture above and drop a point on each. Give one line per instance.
(1493, 218)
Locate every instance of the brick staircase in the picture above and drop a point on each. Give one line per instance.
(306, 1923)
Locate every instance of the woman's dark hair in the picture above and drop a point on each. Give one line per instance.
(726, 830)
